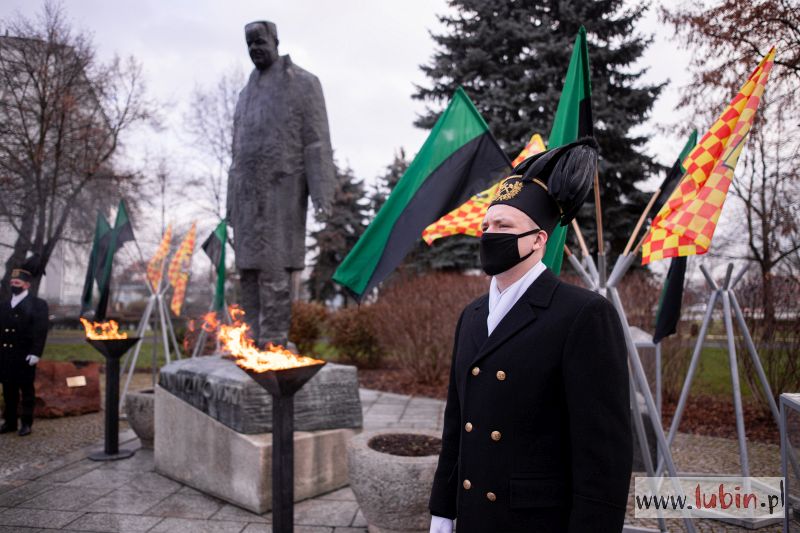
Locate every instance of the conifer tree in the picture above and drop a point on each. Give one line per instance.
(511, 57)
(338, 235)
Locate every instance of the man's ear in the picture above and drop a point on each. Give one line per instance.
(544, 239)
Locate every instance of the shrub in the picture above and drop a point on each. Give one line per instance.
(308, 322)
(416, 318)
(776, 338)
(353, 334)
(639, 293)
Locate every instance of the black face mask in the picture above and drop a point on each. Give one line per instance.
(17, 290)
(499, 251)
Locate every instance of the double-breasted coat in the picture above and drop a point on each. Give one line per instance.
(281, 156)
(537, 432)
(23, 332)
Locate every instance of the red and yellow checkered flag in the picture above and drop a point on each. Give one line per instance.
(466, 219)
(686, 223)
(155, 267)
(179, 270)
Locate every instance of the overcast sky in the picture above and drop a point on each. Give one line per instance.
(365, 53)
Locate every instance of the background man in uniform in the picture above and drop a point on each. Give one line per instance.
(281, 155)
(537, 430)
(23, 332)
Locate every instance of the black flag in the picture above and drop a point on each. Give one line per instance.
(669, 305)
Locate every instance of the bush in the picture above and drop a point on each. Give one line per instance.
(416, 317)
(353, 334)
(639, 293)
(776, 338)
(308, 323)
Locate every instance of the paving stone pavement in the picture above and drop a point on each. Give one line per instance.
(73, 493)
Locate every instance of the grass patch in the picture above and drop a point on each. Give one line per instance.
(713, 375)
(65, 348)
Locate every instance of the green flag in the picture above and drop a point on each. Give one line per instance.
(214, 247)
(459, 159)
(573, 120)
(101, 228)
(110, 243)
(673, 176)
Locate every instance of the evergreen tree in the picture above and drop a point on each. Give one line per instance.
(339, 234)
(386, 183)
(511, 58)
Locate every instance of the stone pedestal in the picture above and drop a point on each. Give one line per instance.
(199, 451)
(223, 391)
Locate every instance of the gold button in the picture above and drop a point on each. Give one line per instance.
(496, 436)
(501, 375)
(491, 496)
(468, 427)
(467, 484)
(476, 371)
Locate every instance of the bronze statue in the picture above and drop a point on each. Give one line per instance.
(281, 156)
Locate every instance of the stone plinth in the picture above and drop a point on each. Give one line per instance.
(194, 449)
(223, 391)
(54, 398)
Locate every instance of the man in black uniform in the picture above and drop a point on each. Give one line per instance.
(537, 434)
(23, 331)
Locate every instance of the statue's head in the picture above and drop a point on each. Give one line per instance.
(262, 43)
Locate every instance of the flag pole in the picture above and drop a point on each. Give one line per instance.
(601, 251)
(598, 213)
(642, 218)
(579, 235)
(579, 268)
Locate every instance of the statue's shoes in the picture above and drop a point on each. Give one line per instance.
(24, 431)
(7, 428)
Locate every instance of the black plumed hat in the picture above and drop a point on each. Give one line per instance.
(551, 186)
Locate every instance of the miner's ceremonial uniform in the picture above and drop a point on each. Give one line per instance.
(537, 434)
(23, 332)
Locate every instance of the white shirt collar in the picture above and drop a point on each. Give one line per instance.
(500, 303)
(17, 298)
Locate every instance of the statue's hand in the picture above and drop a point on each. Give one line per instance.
(322, 213)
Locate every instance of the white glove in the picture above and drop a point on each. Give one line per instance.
(32, 360)
(441, 525)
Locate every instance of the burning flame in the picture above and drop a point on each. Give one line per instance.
(236, 341)
(102, 330)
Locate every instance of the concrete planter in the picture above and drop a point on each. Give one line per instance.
(392, 490)
(140, 410)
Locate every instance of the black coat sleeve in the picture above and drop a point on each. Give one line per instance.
(39, 325)
(445, 482)
(598, 402)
